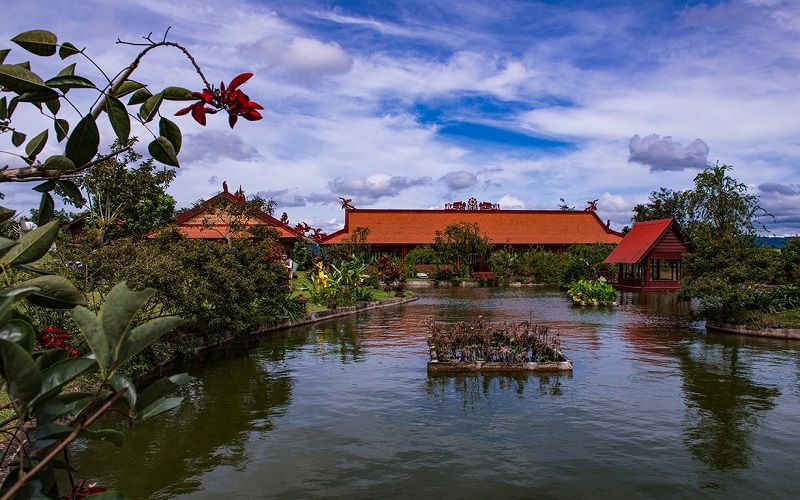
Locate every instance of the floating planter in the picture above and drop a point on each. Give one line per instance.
(592, 293)
(479, 346)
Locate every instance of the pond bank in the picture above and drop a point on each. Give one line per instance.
(210, 351)
(775, 333)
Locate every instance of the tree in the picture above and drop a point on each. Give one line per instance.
(463, 245)
(720, 205)
(127, 201)
(727, 267)
(35, 369)
(663, 204)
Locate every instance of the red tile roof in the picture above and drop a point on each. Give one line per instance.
(638, 242)
(516, 227)
(190, 223)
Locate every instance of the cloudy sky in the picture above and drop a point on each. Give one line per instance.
(413, 104)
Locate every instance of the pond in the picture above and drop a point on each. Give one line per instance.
(655, 407)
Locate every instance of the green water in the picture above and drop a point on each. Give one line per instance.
(655, 408)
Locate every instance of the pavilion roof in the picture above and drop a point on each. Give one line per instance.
(516, 227)
(642, 237)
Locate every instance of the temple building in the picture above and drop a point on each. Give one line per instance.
(398, 231)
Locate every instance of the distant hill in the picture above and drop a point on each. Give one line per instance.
(773, 241)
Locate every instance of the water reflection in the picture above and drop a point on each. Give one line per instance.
(724, 404)
(472, 388)
(247, 392)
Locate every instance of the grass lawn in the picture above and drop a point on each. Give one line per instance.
(783, 319)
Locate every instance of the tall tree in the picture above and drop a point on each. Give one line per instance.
(125, 201)
(727, 267)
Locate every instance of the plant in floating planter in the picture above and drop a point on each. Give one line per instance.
(591, 292)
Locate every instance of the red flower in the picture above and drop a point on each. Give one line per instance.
(231, 99)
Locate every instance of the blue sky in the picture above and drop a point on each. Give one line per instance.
(415, 104)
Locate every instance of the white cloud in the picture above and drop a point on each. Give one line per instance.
(665, 154)
(308, 59)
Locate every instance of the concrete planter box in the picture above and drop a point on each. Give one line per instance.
(493, 367)
(775, 333)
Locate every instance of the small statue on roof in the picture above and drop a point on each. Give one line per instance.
(225, 186)
(346, 203)
(592, 207)
(285, 218)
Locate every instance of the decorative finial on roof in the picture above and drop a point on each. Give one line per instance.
(240, 192)
(592, 207)
(225, 186)
(346, 203)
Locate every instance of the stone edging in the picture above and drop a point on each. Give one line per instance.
(336, 313)
(775, 333)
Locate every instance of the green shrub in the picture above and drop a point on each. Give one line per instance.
(592, 291)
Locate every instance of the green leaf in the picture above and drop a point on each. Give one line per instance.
(59, 162)
(37, 97)
(123, 383)
(162, 150)
(138, 97)
(3, 54)
(25, 64)
(118, 311)
(17, 138)
(52, 431)
(62, 128)
(150, 107)
(109, 435)
(161, 388)
(47, 358)
(23, 377)
(63, 83)
(159, 407)
(45, 187)
(3, 108)
(178, 94)
(67, 71)
(46, 209)
(60, 374)
(83, 142)
(141, 336)
(172, 132)
(39, 42)
(55, 292)
(36, 145)
(5, 243)
(118, 116)
(67, 49)
(92, 330)
(72, 191)
(5, 214)
(20, 332)
(21, 80)
(32, 245)
(54, 105)
(127, 87)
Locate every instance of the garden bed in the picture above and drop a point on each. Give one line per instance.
(482, 347)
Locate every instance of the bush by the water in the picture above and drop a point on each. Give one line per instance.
(589, 291)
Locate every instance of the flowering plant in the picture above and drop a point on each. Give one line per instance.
(54, 338)
(230, 99)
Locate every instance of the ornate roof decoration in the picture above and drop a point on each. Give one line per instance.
(472, 204)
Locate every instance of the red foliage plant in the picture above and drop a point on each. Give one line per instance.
(231, 99)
